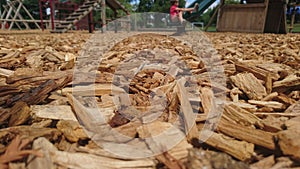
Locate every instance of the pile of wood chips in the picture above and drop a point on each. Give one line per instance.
(65, 96)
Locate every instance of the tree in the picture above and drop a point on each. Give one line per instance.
(162, 6)
(2, 2)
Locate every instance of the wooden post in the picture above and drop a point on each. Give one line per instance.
(115, 21)
(90, 17)
(30, 16)
(7, 16)
(19, 15)
(128, 23)
(15, 16)
(212, 17)
(292, 18)
(135, 22)
(3, 14)
(103, 15)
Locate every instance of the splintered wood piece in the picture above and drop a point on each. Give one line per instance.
(241, 150)
(15, 151)
(268, 83)
(37, 77)
(82, 113)
(30, 132)
(267, 162)
(199, 158)
(84, 160)
(246, 106)
(71, 130)
(284, 99)
(188, 114)
(269, 104)
(24, 74)
(234, 94)
(272, 124)
(270, 96)
(6, 72)
(129, 129)
(235, 114)
(255, 136)
(250, 85)
(290, 83)
(35, 59)
(256, 71)
(157, 136)
(36, 95)
(61, 112)
(288, 141)
(283, 162)
(20, 114)
(93, 90)
(294, 108)
(207, 95)
(4, 115)
(44, 146)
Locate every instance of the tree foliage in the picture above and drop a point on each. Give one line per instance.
(162, 6)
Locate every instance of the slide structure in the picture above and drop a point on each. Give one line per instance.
(203, 5)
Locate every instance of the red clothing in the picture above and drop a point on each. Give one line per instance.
(173, 11)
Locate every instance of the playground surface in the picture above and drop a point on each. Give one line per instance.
(142, 84)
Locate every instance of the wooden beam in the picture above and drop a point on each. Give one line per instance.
(28, 13)
(15, 16)
(7, 16)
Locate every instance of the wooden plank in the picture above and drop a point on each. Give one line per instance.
(241, 18)
(276, 17)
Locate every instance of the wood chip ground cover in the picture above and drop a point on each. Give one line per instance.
(144, 83)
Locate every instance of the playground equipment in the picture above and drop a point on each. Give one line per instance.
(258, 16)
(203, 5)
(85, 9)
(11, 15)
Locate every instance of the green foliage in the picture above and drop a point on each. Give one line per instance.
(161, 6)
(2, 2)
(232, 1)
(33, 8)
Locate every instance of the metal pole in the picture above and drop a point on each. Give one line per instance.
(52, 13)
(41, 15)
